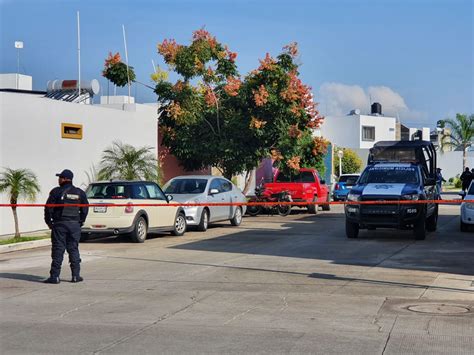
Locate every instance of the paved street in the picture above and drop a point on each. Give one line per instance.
(275, 284)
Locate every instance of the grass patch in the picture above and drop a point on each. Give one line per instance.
(23, 239)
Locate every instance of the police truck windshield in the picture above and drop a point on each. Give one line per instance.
(390, 174)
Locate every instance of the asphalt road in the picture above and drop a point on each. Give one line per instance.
(273, 285)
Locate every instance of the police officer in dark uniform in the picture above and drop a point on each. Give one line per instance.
(65, 224)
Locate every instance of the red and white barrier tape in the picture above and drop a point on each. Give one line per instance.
(262, 203)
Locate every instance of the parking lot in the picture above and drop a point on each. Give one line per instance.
(275, 284)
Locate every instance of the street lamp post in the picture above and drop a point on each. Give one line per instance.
(18, 46)
(340, 154)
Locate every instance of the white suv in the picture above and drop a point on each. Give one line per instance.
(135, 221)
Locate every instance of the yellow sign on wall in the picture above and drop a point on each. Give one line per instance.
(71, 131)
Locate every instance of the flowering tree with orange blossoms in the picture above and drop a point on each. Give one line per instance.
(214, 117)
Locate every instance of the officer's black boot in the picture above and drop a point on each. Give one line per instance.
(52, 280)
(77, 279)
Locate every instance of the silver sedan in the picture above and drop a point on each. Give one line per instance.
(207, 188)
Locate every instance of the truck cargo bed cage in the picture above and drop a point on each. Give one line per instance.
(418, 152)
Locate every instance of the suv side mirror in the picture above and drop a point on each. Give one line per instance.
(322, 182)
(169, 197)
(430, 181)
(213, 191)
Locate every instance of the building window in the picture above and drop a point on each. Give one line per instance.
(368, 133)
(71, 131)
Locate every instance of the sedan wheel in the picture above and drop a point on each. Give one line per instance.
(179, 225)
(204, 222)
(237, 219)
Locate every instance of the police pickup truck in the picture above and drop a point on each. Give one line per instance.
(396, 172)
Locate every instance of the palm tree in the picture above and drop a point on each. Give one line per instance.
(459, 134)
(20, 183)
(123, 161)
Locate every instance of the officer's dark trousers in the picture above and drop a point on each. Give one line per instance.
(65, 236)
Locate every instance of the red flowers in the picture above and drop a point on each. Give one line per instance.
(233, 86)
(260, 96)
(294, 163)
(110, 61)
(168, 49)
(210, 97)
(268, 63)
(294, 132)
(292, 49)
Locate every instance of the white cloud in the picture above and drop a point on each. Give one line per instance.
(340, 99)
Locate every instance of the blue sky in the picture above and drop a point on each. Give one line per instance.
(415, 57)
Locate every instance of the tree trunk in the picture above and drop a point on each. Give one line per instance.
(248, 181)
(15, 217)
(464, 157)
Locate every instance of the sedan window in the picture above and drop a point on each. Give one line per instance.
(225, 185)
(186, 186)
(215, 184)
(155, 192)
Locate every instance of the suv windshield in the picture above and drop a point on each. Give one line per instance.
(390, 174)
(185, 186)
(349, 179)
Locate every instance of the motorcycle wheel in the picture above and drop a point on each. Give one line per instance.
(284, 210)
(254, 210)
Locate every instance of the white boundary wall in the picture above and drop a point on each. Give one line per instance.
(30, 137)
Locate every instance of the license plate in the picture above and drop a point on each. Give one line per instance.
(100, 209)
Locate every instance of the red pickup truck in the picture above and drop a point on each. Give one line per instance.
(305, 186)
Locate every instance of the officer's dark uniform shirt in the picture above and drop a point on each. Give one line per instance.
(69, 195)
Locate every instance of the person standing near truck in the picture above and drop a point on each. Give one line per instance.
(466, 178)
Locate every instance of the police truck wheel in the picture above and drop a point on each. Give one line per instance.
(204, 222)
(313, 208)
(237, 219)
(179, 225)
(432, 221)
(139, 231)
(352, 229)
(420, 228)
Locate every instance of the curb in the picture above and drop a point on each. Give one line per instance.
(24, 245)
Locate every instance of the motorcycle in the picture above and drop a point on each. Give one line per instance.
(264, 195)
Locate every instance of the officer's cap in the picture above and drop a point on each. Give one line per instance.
(66, 174)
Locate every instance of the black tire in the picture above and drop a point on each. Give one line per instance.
(237, 219)
(179, 225)
(327, 207)
(420, 228)
(352, 229)
(464, 226)
(84, 237)
(254, 210)
(204, 222)
(432, 221)
(140, 230)
(313, 208)
(284, 210)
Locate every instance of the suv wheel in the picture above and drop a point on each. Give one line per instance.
(179, 225)
(420, 228)
(139, 232)
(204, 222)
(352, 229)
(313, 208)
(237, 219)
(432, 221)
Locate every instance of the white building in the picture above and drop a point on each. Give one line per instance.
(358, 131)
(47, 136)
